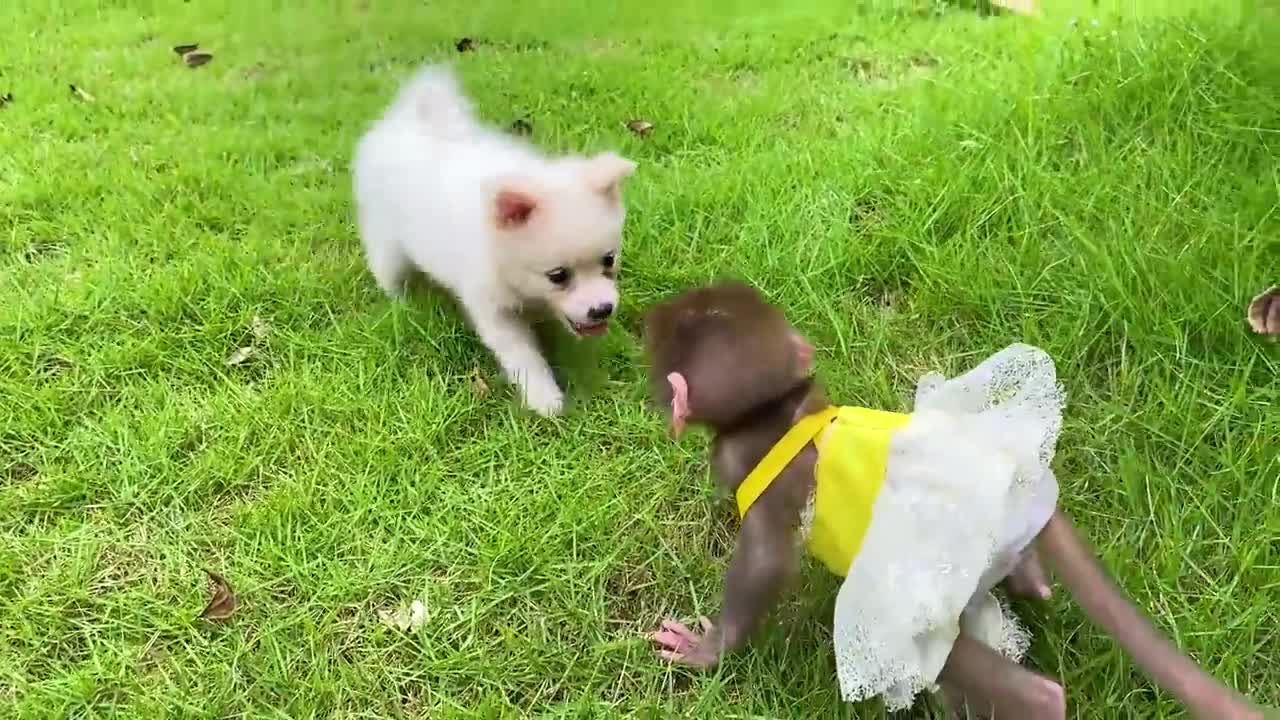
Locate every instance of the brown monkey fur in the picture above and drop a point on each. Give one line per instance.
(723, 357)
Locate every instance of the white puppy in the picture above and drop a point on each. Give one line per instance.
(499, 224)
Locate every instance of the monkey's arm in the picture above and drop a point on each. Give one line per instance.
(763, 560)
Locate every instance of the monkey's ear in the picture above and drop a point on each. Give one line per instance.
(679, 403)
(804, 352)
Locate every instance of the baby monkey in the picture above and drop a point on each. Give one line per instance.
(921, 513)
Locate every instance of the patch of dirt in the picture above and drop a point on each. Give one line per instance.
(40, 249)
(119, 565)
(888, 73)
(723, 531)
(887, 299)
(597, 46)
(191, 443)
(256, 71)
(740, 82)
(538, 694)
(49, 365)
(864, 69)
(866, 211)
(18, 472)
(625, 592)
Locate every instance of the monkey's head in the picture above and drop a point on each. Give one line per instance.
(716, 353)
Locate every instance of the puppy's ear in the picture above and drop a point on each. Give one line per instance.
(513, 206)
(605, 173)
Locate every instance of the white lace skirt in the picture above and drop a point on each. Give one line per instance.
(967, 488)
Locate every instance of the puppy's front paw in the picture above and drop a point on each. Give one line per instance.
(544, 398)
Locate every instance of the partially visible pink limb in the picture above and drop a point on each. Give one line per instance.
(804, 352)
(675, 637)
(995, 687)
(1028, 577)
(679, 403)
(680, 644)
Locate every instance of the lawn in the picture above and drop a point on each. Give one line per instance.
(918, 183)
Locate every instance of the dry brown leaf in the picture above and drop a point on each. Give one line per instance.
(239, 357)
(640, 127)
(184, 49)
(1021, 7)
(223, 603)
(80, 93)
(478, 383)
(260, 328)
(196, 58)
(1264, 312)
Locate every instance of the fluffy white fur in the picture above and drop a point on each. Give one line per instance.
(498, 223)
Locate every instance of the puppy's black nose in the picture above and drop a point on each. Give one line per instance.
(600, 312)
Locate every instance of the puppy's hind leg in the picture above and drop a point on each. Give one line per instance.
(513, 344)
(389, 265)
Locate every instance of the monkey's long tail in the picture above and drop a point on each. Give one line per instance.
(1106, 604)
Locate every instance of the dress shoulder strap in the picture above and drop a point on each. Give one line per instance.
(782, 453)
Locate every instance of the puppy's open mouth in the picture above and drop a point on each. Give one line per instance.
(589, 328)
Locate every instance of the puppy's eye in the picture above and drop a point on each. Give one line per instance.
(559, 276)
(607, 261)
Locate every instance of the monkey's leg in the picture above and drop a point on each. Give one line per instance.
(1108, 606)
(995, 687)
(1028, 577)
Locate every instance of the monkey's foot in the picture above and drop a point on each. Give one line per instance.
(1263, 314)
(1028, 579)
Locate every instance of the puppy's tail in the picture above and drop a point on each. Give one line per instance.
(433, 98)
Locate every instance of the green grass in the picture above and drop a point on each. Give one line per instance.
(919, 184)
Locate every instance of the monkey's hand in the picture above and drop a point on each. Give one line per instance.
(681, 645)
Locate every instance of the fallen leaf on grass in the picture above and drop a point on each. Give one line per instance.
(408, 618)
(80, 93)
(522, 127)
(640, 127)
(239, 357)
(478, 384)
(184, 49)
(465, 44)
(1264, 312)
(260, 328)
(223, 604)
(5, 99)
(196, 58)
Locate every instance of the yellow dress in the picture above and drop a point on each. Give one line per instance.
(923, 513)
